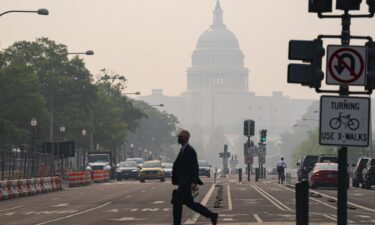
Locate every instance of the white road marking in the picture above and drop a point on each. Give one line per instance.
(129, 196)
(8, 214)
(230, 206)
(364, 216)
(125, 219)
(258, 219)
(55, 199)
(16, 207)
(272, 199)
(329, 217)
(75, 214)
(158, 202)
(112, 210)
(150, 210)
(228, 219)
(203, 202)
(60, 205)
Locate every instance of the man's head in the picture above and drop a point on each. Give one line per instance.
(183, 137)
(282, 158)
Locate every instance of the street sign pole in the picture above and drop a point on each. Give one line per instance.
(342, 194)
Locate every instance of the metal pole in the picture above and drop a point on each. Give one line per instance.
(342, 194)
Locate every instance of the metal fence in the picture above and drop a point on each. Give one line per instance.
(21, 164)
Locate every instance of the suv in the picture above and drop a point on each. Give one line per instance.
(328, 158)
(357, 172)
(204, 168)
(305, 166)
(369, 174)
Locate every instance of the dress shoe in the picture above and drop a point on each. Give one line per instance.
(214, 218)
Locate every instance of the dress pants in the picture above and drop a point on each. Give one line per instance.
(183, 196)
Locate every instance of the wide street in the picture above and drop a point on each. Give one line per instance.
(131, 202)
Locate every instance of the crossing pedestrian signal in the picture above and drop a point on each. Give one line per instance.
(263, 136)
(308, 74)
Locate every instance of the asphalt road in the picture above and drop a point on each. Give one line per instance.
(131, 202)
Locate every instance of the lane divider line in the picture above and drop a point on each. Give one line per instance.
(230, 206)
(330, 217)
(75, 214)
(203, 202)
(276, 200)
(16, 207)
(258, 219)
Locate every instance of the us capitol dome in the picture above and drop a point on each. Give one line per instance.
(217, 61)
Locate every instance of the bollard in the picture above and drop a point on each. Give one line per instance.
(256, 174)
(248, 172)
(240, 174)
(302, 203)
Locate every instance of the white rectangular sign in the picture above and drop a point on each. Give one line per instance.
(344, 121)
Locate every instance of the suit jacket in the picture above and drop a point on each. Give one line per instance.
(185, 168)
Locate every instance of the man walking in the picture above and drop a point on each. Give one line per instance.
(185, 174)
(280, 170)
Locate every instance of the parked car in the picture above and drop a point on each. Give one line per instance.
(369, 174)
(152, 170)
(306, 164)
(328, 158)
(357, 171)
(167, 167)
(324, 174)
(204, 168)
(128, 169)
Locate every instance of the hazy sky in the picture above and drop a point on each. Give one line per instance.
(151, 41)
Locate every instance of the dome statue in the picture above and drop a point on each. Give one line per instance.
(217, 61)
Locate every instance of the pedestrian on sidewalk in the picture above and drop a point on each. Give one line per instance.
(185, 174)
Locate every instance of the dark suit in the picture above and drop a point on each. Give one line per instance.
(185, 172)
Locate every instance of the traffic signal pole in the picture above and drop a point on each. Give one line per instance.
(248, 163)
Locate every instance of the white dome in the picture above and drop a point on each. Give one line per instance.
(217, 38)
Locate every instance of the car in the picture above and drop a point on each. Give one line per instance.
(138, 160)
(306, 164)
(167, 167)
(152, 170)
(328, 158)
(324, 174)
(369, 174)
(127, 169)
(357, 171)
(204, 168)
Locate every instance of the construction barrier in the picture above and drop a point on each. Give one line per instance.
(77, 179)
(98, 176)
(25, 187)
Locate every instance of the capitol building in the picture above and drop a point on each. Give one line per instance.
(217, 92)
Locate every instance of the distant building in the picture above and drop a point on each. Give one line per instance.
(218, 89)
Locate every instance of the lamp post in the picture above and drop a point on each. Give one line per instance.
(51, 127)
(145, 156)
(131, 150)
(43, 12)
(62, 130)
(33, 123)
(84, 149)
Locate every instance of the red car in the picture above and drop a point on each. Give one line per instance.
(324, 174)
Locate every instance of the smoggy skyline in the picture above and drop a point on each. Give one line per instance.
(150, 42)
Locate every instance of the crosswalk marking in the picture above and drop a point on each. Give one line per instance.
(258, 219)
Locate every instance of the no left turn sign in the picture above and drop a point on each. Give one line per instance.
(346, 65)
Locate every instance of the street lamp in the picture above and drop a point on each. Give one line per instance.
(43, 12)
(33, 123)
(145, 154)
(84, 149)
(131, 150)
(62, 130)
(88, 52)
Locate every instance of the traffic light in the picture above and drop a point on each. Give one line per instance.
(248, 128)
(348, 4)
(311, 52)
(263, 136)
(370, 84)
(221, 154)
(320, 6)
(371, 5)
